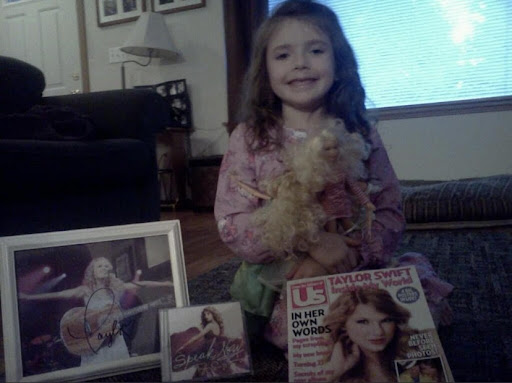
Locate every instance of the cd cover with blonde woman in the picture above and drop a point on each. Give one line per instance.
(204, 342)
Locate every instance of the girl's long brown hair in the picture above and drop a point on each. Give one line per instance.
(261, 108)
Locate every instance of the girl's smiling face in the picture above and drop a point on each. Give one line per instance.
(370, 329)
(300, 64)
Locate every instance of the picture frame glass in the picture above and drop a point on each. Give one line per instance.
(88, 307)
(171, 6)
(118, 11)
(176, 94)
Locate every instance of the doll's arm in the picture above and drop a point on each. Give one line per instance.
(360, 194)
(255, 192)
(363, 200)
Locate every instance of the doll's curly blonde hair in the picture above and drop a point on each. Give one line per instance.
(292, 219)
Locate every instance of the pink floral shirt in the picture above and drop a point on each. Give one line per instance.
(234, 205)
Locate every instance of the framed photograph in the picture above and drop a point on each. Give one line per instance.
(112, 12)
(175, 93)
(83, 304)
(172, 6)
(204, 342)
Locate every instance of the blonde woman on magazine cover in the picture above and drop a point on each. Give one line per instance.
(369, 331)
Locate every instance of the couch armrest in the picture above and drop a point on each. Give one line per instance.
(130, 113)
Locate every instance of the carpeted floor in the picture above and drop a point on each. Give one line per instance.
(478, 344)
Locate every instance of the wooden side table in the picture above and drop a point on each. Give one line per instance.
(176, 141)
(204, 174)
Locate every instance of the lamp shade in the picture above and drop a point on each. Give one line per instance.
(150, 37)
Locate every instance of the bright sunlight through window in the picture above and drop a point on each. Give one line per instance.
(413, 52)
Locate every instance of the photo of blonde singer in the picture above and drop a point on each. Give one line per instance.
(92, 316)
(369, 331)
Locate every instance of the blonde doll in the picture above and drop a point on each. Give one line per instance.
(315, 191)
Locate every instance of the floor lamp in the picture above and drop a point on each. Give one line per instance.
(150, 38)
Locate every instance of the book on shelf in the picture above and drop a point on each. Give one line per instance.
(204, 342)
(371, 326)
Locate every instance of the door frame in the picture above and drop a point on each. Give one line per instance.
(82, 40)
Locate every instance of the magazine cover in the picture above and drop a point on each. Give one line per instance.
(371, 326)
(204, 342)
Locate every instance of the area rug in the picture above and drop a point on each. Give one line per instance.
(478, 344)
(478, 263)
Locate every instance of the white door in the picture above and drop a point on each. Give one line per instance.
(45, 34)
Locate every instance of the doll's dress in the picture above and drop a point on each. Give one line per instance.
(211, 345)
(336, 201)
(108, 352)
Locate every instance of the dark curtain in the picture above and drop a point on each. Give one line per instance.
(241, 19)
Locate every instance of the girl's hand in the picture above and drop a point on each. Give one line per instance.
(334, 254)
(307, 268)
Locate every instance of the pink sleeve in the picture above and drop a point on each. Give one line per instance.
(234, 205)
(389, 223)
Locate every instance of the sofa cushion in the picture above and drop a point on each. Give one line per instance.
(60, 166)
(47, 122)
(466, 200)
(21, 85)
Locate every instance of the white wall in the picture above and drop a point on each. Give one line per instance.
(199, 35)
(434, 148)
(450, 147)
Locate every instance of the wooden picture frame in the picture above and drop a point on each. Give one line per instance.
(61, 324)
(111, 12)
(176, 94)
(173, 6)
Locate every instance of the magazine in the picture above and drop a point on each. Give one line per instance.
(339, 324)
(204, 342)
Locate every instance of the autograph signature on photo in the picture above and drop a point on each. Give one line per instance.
(84, 330)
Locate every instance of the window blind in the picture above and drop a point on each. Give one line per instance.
(413, 52)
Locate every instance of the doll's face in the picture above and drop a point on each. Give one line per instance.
(331, 149)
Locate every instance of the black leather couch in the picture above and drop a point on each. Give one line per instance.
(75, 161)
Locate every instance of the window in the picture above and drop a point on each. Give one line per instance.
(415, 52)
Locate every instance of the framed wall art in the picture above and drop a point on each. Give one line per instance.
(176, 94)
(172, 6)
(112, 12)
(83, 304)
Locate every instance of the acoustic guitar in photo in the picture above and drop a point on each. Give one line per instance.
(84, 330)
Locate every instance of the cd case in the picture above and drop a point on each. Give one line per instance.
(204, 342)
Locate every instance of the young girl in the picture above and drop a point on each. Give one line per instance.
(303, 78)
